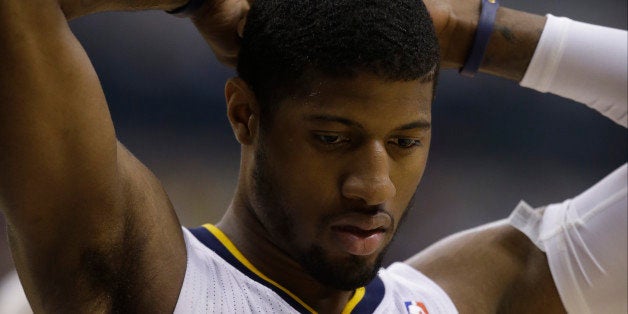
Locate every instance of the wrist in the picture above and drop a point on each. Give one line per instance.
(512, 44)
(483, 32)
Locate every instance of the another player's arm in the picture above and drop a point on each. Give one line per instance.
(90, 227)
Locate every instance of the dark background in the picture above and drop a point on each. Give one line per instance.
(494, 143)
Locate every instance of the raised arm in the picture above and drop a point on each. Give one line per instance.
(579, 61)
(90, 227)
(497, 268)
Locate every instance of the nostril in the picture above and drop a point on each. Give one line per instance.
(372, 191)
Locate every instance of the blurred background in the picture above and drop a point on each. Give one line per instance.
(494, 143)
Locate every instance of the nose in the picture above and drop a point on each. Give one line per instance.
(369, 176)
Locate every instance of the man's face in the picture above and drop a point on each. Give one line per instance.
(336, 170)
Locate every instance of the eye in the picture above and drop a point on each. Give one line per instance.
(331, 139)
(406, 142)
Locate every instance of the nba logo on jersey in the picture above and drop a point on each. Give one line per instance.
(416, 308)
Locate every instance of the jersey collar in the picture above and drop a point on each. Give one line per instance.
(364, 300)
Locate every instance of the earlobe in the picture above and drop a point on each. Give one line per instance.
(242, 110)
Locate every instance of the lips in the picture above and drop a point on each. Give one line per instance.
(360, 234)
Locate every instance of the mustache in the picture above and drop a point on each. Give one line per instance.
(370, 210)
(359, 212)
(367, 210)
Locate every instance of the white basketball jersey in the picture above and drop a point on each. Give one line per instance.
(219, 279)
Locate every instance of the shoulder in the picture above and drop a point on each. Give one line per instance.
(492, 268)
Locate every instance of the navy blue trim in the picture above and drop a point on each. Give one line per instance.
(210, 241)
(373, 296)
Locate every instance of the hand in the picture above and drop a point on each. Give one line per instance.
(455, 22)
(221, 23)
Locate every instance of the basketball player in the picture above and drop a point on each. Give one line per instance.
(331, 107)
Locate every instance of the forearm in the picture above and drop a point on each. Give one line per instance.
(512, 44)
(583, 62)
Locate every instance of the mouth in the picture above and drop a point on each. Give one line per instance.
(361, 235)
(358, 232)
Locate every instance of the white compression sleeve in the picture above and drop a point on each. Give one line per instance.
(583, 62)
(585, 238)
(585, 241)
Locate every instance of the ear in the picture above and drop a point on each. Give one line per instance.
(242, 110)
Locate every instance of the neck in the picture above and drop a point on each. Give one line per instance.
(250, 237)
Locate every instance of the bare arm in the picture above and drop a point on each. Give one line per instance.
(491, 269)
(90, 227)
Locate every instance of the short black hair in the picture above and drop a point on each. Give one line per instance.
(287, 42)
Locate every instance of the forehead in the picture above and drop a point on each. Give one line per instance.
(364, 97)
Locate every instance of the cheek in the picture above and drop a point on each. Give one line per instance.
(307, 182)
(296, 158)
(407, 178)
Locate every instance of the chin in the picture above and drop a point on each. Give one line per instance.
(347, 273)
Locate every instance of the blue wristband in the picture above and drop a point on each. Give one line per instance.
(187, 9)
(482, 35)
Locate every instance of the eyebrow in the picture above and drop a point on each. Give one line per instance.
(421, 124)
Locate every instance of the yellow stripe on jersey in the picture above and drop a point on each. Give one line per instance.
(353, 302)
(355, 299)
(236, 253)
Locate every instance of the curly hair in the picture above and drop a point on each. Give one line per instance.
(287, 43)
